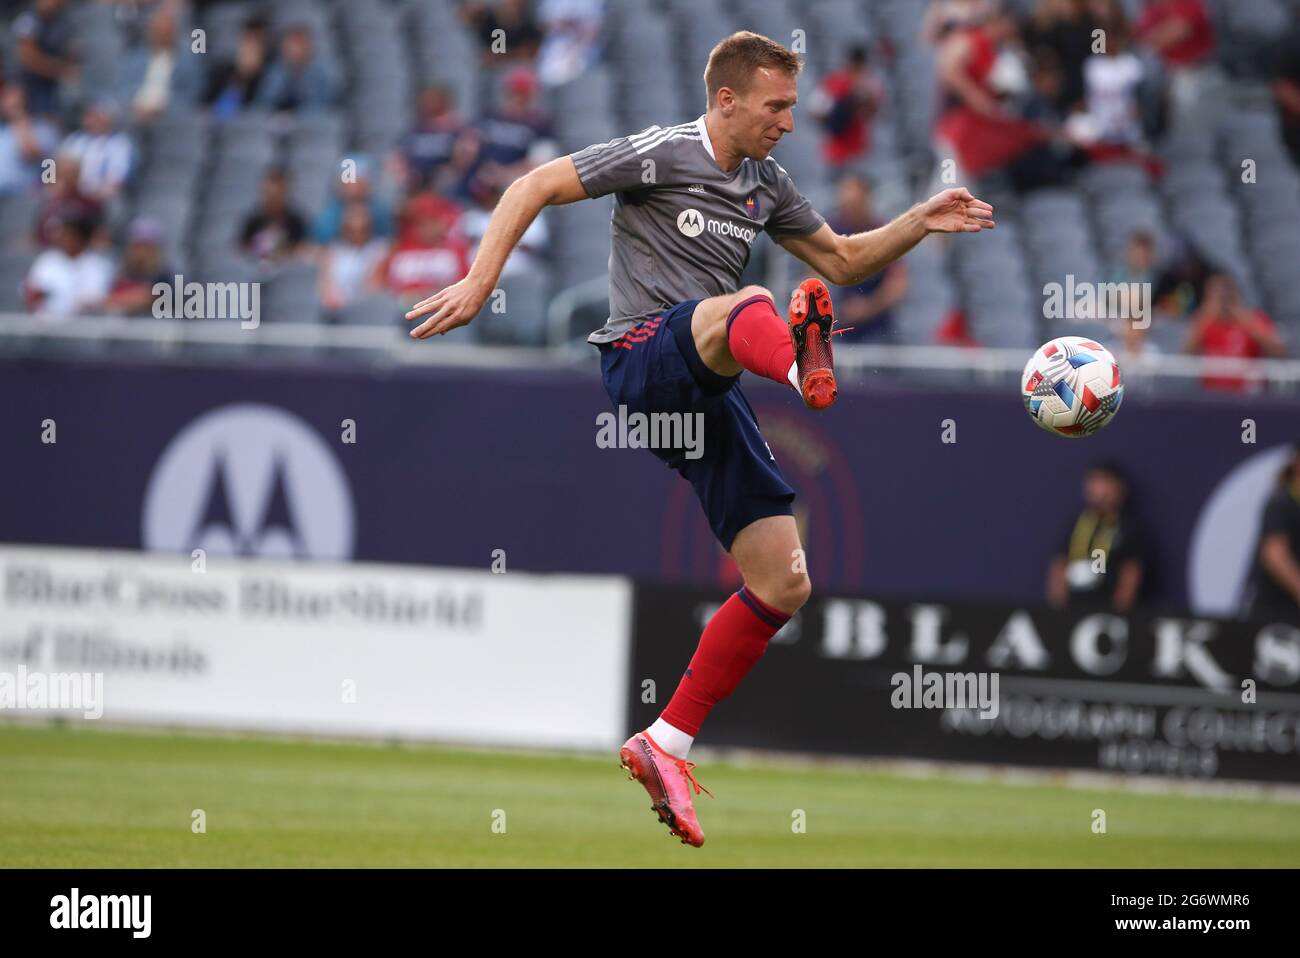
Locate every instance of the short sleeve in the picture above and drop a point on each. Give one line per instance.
(25, 25)
(1066, 538)
(793, 215)
(625, 163)
(1131, 544)
(1275, 516)
(41, 275)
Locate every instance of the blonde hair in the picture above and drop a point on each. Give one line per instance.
(733, 61)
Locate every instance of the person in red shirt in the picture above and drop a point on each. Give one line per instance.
(844, 105)
(1181, 32)
(973, 123)
(1224, 326)
(429, 252)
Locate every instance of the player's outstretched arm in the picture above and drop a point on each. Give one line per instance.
(551, 184)
(848, 260)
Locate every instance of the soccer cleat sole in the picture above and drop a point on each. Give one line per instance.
(818, 388)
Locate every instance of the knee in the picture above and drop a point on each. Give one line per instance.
(788, 593)
(750, 291)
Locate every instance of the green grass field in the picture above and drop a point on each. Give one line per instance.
(96, 798)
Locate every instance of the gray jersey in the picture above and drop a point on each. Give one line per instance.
(682, 228)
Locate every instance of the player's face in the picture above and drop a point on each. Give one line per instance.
(765, 112)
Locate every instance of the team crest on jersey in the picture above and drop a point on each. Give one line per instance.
(751, 206)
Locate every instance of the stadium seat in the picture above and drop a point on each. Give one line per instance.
(522, 322)
(292, 295)
(14, 265)
(18, 217)
(372, 309)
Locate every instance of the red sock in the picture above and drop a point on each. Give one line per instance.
(733, 641)
(760, 339)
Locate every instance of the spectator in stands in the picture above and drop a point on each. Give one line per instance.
(142, 268)
(863, 311)
(355, 186)
(529, 254)
(1102, 560)
(1180, 285)
(1286, 89)
(1112, 80)
(105, 154)
(1274, 587)
(350, 259)
(273, 231)
(1062, 30)
(1042, 105)
(506, 29)
(1139, 260)
(1181, 32)
(25, 141)
(236, 83)
(1224, 326)
(571, 38)
(436, 154)
(64, 200)
(69, 278)
(515, 138)
(942, 17)
(1140, 335)
(429, 254)
(44, 52)
(161, 75)
(299, 79)
(977, 68)
(844, 104)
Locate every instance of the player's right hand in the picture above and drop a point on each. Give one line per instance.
(448, 309)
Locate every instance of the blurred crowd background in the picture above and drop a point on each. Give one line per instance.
(347, 155)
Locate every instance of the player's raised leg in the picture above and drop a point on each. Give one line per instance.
(768, 554)
(744, 331)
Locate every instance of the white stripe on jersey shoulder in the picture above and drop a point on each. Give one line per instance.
(647, 132)
(704, 137)
(779, 167)
(652, 131)
(685, 131)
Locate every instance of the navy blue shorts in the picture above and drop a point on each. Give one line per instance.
(655, 368)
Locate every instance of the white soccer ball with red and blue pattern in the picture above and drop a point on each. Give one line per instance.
(1072, 386)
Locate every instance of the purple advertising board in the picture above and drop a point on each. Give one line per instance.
(446, 466)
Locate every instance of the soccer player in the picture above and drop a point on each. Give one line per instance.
(689, 201)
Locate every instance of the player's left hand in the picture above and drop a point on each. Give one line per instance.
(448, 308)
(956, 211)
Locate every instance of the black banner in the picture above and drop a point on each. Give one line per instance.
(1148, 692)
(115, 908)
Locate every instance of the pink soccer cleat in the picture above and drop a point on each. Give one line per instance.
(669, 782)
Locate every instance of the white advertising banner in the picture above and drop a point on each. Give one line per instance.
(322, 648)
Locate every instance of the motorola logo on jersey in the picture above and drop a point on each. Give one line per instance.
(252, 480)
(691, 223)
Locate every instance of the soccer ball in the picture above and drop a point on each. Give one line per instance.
(1071, 386)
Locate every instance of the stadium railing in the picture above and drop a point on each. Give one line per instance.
(176, 338)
